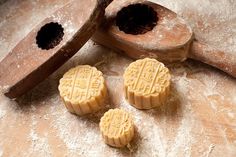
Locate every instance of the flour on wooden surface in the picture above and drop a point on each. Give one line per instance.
(213, 22)
(38, 145)
(168, 131)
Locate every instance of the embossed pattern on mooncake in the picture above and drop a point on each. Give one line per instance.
(117, 127)
(146, 83)
(83, 89)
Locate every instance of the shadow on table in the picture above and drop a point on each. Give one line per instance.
(170, 109)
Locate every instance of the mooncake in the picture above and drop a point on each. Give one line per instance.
(83, 90)
(146, 83)
(117, 127)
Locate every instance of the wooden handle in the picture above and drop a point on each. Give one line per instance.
(219, 59)
(104, 3)
(134, 40)
(40, 53)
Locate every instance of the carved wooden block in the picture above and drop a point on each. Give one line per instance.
(142, 29)
(49, 45)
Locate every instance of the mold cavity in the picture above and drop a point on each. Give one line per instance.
(49, 36)
(136, 19)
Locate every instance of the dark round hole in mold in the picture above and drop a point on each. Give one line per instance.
(49, 36)
(136, 19)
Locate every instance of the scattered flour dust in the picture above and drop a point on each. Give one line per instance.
(81, 135)
(2, 113)
(39, 145)
(213, 22)
(1, 152)
(10, 109)
(4, 106)
(211, 147)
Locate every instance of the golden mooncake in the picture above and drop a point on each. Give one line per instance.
(83, 89)
(146, 83)
(117, 127)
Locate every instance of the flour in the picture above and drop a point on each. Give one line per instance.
(1, 152)
(231, 115)
(77, 133)
(217, 24)
(211, 147)
(176, 129)
(2, 113)
(3, 106)
(39, 145)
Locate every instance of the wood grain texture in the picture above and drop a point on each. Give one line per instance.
(170, 40)
(198, 120)
(219, 59)
(27, 64)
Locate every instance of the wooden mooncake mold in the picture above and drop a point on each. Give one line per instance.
(146, 83)
(117, 127)
(49, 45)
(140, 28)
(83, 89)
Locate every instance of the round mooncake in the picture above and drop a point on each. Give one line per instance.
(117, 127)
(83, 89)
(146, 83)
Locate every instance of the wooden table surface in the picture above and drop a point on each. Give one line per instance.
(198, 120)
